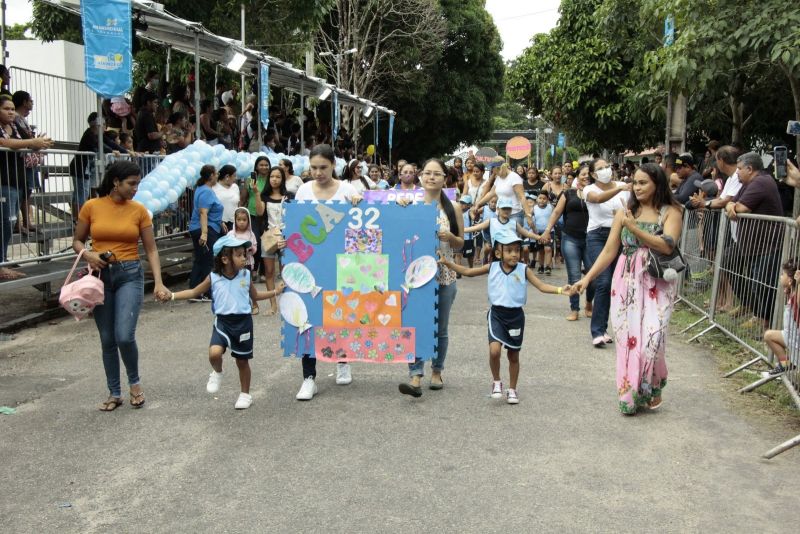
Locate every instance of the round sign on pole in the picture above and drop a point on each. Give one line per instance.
(518, 147)
(485, 154)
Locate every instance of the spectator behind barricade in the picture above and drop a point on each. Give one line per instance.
(12, 177)
(147, 137)
(228, 194)
(178, 132)
(668, 165)
(293, 182)
(685, 169)
(150, 85)
(5, 80)
(118, 115)
(352, 176)
(725, 161)
(82, 166)
(758, 241)
(126, 142)
(229, 99)
(205, 227)
(180, 100)
(710, 161)
(219, 89)
(207, 125)
(24, 105)
(219, 118)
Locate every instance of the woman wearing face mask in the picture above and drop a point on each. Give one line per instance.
(603, 199)
(407, 177)
(572, 205)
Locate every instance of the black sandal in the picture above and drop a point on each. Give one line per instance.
(408, 389)
(136, 396)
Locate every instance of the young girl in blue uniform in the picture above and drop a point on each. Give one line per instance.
(502, 220)
(508, 294)
(231, 293)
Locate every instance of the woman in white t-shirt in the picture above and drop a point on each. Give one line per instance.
(352, 175)
(293, 182)
(603, 199)
(507, 185)
(228, 194)
(323, 186)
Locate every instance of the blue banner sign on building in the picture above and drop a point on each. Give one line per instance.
(263, 88)
(669, 30)
(562, 140)
(391, 130)
(108, 40)
(335, 128)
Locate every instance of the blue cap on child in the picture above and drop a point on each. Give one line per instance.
(230, 241)
(466, 199)
(505, 236)
(505, 203)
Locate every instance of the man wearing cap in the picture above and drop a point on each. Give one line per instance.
(684, 168)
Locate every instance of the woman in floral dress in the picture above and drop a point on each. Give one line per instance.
(641, 305)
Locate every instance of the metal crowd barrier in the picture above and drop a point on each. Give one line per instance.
(733, 281)
(60, 105)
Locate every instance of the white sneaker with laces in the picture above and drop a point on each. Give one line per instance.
(343, 374)
(214, 381)
(511, 396)
(497, 390)
(307, 390)
(243, 402)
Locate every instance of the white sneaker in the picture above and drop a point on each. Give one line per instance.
(243, 402)
(497, 390)
(307, 390)
(511, 396)
(214, 380)
(343, 375)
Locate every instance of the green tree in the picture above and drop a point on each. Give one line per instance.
(579, 76)
(467, 84)
(17, 32)
(511, 115)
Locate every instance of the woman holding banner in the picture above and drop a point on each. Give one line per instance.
(450, 223)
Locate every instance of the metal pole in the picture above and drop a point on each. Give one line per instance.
(242, 91)
(169, 60)
(216, 80)
(3, 31)
(197, 85)
(667, 147)
(100, 164)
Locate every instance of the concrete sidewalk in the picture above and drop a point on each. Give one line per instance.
(363, 458)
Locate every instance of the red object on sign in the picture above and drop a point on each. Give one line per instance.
(518, 147)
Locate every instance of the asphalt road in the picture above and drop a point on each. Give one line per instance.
(363, 458)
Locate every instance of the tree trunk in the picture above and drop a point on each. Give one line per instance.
(737, 119)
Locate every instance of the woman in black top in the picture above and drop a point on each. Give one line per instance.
(572, 204)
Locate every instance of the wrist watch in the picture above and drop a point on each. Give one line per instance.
(708, 203)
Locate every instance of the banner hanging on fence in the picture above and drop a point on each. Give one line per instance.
(107, 46)
(391, 130)
(263, 87)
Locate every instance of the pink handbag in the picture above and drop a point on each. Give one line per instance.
(81, 296)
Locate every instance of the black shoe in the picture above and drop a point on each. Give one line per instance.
(458, 276)
(778, 370)
(548, 271)
(541, 270)
(408, 389)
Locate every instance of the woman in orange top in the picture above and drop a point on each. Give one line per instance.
(116, 224)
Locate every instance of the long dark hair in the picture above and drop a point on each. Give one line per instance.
(351, 171)
(662, 195)
(259, 159)
(326, 152)
(447, 206)
(288, 164)
(226, 170)
(205, 174)
(119, 170)
(265, 194)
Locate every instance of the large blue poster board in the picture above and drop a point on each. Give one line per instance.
(362, 279)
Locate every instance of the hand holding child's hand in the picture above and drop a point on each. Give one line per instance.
(279, 287)
(580, 286)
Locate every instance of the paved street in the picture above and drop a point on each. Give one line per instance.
(363, 458)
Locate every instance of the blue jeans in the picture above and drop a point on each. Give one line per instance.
(81, 190)
(764, 270)
(595, 241)
(576, 254)
(203, 256)
(116, 321)
(447, 294)
(9, 206)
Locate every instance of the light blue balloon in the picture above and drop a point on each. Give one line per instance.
(141, 196)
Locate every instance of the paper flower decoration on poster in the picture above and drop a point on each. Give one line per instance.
(298, 278)
(294, 312)
(420, 272)
(369, 344)
(367, 240)
(362, 272)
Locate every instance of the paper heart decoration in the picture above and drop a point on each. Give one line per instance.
(378, 274)
(384, 318)
(353, 304)
(337, 314)
(351, 318)
(332, 299)
(350, 280)
(346, 291)
(365, 289)
(370, 307)
(365, 319)
(380, 261)
(344, 262)
(365, 268)
(391, 301)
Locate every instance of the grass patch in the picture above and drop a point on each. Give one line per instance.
(729, 354)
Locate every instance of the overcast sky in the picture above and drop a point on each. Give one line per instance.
(517, 20)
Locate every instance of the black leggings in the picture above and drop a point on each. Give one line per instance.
(309, 366)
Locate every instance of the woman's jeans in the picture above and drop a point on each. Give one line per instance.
(576, 254)
(9, 206)
(447, 294)
(595, 241)
(203, 256)
(116, 321)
